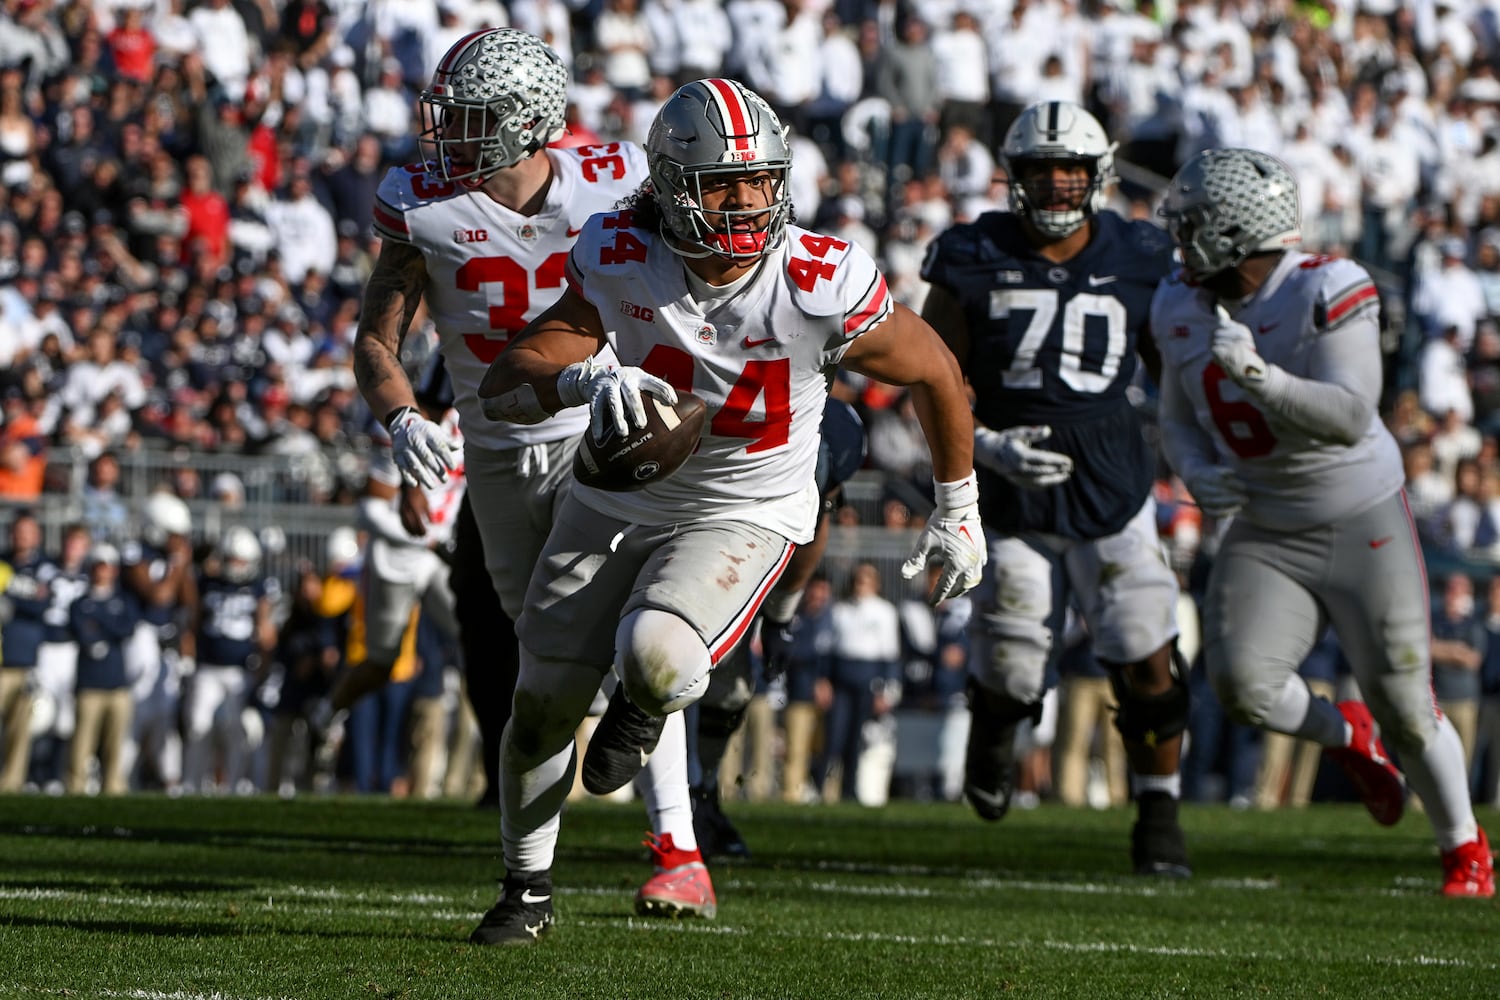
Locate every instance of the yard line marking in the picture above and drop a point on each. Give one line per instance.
(12, 989)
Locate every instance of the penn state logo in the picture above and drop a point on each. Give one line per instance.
(646, 470)
(707, 335)
(1057, 275)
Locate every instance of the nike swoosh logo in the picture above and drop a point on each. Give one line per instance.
(987, 798)
(530, 897)
(747, 343)
(1378, 542)
(574, 232)
(1267, 327)
(1095, 281)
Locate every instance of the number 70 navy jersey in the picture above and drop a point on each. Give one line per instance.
(1055, 343)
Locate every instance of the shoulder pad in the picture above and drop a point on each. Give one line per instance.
(607, 239)
(1345, 290)
(834, 277)
(619, 164)
(403, 189)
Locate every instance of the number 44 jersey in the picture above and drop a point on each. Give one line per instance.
(491, 270)
(759, 351)
(1055, 344)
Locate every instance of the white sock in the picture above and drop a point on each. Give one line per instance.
(664, 786)
(1169, 783)
(531, 812)
(1441, 778)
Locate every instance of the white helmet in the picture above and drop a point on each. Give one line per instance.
(712, 129)
(501, 90)
(1226, 204)
(1051, 131)
(342, 547)
(165, 515)
(239, 551)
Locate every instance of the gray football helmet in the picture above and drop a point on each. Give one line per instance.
(1051, 131)
(1226, 204)
(712, 130)
(496, 98)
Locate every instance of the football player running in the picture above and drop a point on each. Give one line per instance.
(481, 233)
(1271, 378)
(702, 284)
(1046, 308)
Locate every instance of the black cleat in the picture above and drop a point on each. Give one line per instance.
(620, 746)
(1157, 846)
(717, 836)
(990, 765)
(522, 914)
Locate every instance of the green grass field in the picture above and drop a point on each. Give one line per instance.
(158, 899)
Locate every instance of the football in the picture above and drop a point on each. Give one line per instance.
(647, 454)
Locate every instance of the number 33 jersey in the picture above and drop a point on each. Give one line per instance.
(760, 352)
(491, 270)
(1055, 343)
(1295, 480)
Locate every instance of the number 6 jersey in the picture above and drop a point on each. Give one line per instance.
(1055, 343)
(491, 270)
(1311, 311)
(760, 352)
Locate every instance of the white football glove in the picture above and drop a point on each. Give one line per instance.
(1233, 346)
(613, 395)
(421, 449)
(1218, 491)
(1010, 453)
(954, 534)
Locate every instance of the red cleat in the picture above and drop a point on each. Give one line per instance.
(681, 886)
(1469, 870)
(1380, 785)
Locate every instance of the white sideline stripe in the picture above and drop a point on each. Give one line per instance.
(690, 927)
(14, 989)
(261, 898)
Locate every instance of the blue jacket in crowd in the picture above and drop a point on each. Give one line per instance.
(101, 624)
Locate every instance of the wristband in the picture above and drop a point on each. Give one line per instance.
(958, 494)
(397, 415)
(781, 606)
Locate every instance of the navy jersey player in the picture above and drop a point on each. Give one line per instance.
(1046, 308)
(235, 632)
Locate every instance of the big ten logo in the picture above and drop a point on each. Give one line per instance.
(634, 311)
(471, 236)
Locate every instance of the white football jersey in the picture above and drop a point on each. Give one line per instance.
(490, 270)
(760, 354)
(1294, 480)
(443, 499)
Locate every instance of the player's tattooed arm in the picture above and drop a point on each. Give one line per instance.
(393, 294)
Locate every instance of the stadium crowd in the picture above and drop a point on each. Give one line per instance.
(186, 192)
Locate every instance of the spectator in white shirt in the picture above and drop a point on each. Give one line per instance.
(303, 229)
(224, 43)
(865, 677)
(963, 73)
(1450, 295)
(1442, 380)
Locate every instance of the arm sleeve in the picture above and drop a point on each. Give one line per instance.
(1337, 400)
(381, 518)
(1189, 450)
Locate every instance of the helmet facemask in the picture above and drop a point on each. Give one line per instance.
(497, 97)
(1050, 132)
(1085, 198)
(741, 234)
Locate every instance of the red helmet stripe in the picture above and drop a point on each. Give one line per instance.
(447, 65)
(732, 111)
